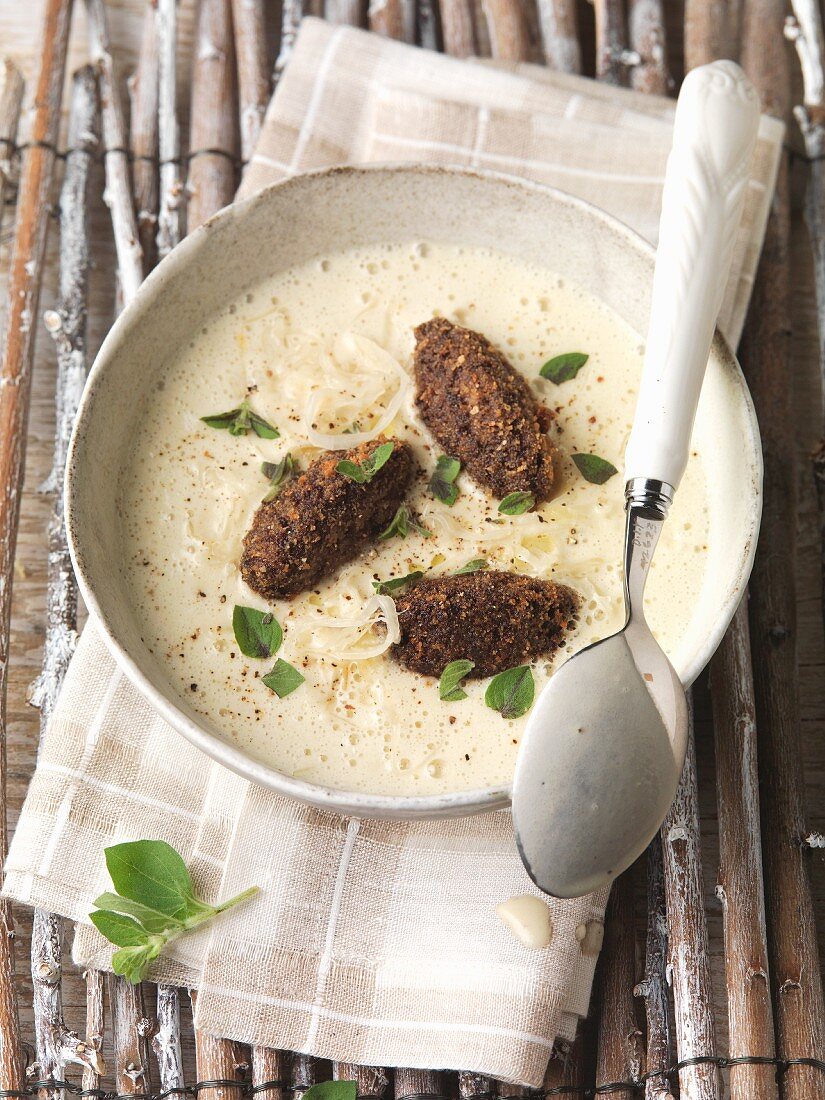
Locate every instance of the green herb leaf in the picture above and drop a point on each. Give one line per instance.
(283, 679)
(258, 633)
(516, 504)
(151, 872)
(401, 524)
(242, 420)
(449, 686)
(331, 1090)
(362, 472)
(594, 469)
(561, 368)
(278, 473)
(133, 962)
(154, 904)
(385, 588)
(472, 567)
(354, 427)
(442, 483)
(511, 693)
(119, 930)
(151, 919)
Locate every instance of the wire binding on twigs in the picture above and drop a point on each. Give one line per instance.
(587, 1091)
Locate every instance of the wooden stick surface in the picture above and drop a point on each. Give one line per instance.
(620, 1052)
(457, 29)
(806, 32)
(560, 35)
(130, 1031)
(707, 31)
(249, 23)
(507, 27)
(95, 1024)
(654, 985)
(219, 1060)
(304, 1074)
(143, 93)
(118, 193)
(393, 19)
(610, 41)
(688, 937)
(166, 1040)
(11, 100)
(170, 215)
(271, 1065)
(647, 38)
(370, 1081)
(214, 121)
(740, 885)
(56, 1045)
(794, 963)
(25, 272)
(420, 1082)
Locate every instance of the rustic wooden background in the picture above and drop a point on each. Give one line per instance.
(20, 25)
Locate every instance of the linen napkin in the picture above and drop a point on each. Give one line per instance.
(371, 942)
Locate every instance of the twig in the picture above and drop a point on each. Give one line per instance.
(474, 1086)
(166, 1040)
(95, 1020)
(347, 13)
(560, 35)
(393, 19)
(647, 38)
(798, 1003)
(568, 1067)
(740, 886)
(611, 52)
(707, 31)
(620, 1053)
(421, 1082)
(143, 93)
(118, 193)
(806, 33)
(688, 941)
(214, 119)
(11, 99)
(25, 272)
(371, 1081)
(507, 27)
(291, 14)
(249, 23)
(457, 29)
(171, 183)
(271, 1065)
(130, 1031)
(654, 986)
(427, 23)
(56, 1045)
(304, 1074)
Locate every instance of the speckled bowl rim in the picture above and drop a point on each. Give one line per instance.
(449, 804)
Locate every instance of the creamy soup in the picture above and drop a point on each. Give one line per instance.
(324, 352)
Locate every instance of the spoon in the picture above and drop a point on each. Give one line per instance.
(605, 743)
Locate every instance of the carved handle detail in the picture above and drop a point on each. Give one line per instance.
(717, 118)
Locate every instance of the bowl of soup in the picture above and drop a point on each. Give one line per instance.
(295, 540)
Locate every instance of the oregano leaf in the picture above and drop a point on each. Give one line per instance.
(511, 693)
(449, 686)
(283, 678)
(258, 633)
(516, 504)
(561, 368)
(593, 468)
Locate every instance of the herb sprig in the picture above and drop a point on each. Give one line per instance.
(511, 693)
(449, 686)
(241, 420)
(516, 504)
(594, 469)
(363, 472)
(392, 584)
(561, 368)
(442, 483)
(154, 903)
(278, 474)
(473, 566)
(259, 635)
(401, 524)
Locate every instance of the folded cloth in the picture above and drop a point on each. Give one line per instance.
(371, 941)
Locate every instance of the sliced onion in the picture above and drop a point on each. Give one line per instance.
(353, 346)
(376, 609)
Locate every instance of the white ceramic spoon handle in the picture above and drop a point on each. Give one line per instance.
(717, 117)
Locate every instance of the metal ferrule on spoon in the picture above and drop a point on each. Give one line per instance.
(605, 743)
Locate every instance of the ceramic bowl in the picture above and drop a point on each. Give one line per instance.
(310, 216)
